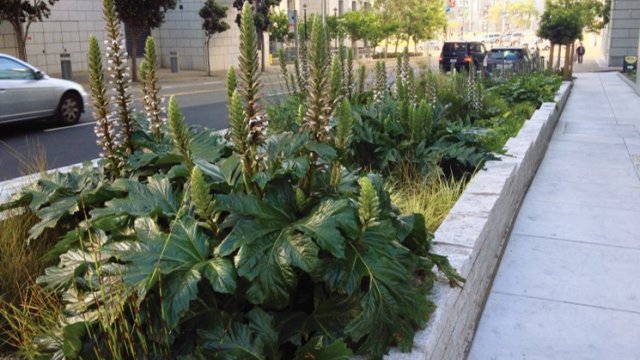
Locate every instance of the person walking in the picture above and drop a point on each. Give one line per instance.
(580, 52)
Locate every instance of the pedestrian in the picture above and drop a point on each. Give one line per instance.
(580, 52)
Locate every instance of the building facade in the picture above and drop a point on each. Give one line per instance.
(72, 21)
(622, 34)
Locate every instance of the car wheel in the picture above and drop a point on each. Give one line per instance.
(69, 109)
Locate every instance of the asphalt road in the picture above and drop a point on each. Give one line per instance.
(23, 146)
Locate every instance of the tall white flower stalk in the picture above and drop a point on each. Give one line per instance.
(120, 78)
(104, 129)
(150, 86)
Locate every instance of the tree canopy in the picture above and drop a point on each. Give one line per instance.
(24, 12)
(562, 22)
(213, 15)
(141, 15)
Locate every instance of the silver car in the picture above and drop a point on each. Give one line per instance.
(27, 93)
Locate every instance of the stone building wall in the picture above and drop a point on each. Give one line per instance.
(623, 31)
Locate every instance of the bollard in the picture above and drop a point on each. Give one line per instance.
(175, 66)
(65, 65)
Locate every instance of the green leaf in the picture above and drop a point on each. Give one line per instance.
(323, 225)
(221, 274)
(324, 151)
(151, 199)
(72, 339)
(180, 259)
(316, 349)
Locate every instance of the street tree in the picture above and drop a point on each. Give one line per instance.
(421, 19)
(213, 15)
(279, 27)
(261, 9)
(139, 16)
(561, 23)
(21, 14)
(355, 26)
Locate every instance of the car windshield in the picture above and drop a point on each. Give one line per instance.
(457, 48)
(505, 55)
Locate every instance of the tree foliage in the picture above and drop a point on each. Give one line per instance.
(561, 23)
(21, 14)
(260, 10)
(213, 15)
(279, 27)
(141, 15)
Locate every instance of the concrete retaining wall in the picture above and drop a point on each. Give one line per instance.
(474, 234)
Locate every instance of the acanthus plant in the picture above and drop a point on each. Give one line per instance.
(264, 247)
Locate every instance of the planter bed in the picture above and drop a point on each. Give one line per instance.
(474, 235)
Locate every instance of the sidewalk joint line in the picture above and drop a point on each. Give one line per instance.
(637, 211)
(568, 302)
(582, 242)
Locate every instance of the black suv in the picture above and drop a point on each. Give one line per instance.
(460, 54)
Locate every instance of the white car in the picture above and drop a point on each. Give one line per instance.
(27, 93)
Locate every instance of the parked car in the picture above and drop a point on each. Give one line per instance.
(506, 58)
(490, 38)
(515, 39)
(27, 93)
(460, 55)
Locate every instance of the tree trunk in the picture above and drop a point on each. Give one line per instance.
(261, 44)
(208, 57)
(573, 56)
(567, 62)
(20, 40)
(134, 53)
(551, 50)
(386, 47)
(397, 43)
(559, 54)
(415, 46)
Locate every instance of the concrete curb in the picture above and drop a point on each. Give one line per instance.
(629, 82)
(474, 234)
(10, 187)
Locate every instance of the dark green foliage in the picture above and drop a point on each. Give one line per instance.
(282, 248)
(531, 88)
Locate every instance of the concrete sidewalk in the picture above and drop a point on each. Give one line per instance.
(568, 287)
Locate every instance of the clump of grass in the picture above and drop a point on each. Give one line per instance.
(24, 309)
(20, 262)
(25, 321)
(433, 198)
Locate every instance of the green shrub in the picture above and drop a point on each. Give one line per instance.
(535, 88)
(260, 246)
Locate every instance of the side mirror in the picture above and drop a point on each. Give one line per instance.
(38, 75)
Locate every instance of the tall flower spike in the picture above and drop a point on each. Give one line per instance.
(179, 132)
(232, 82)
(117, 59)
(150, 87)
(348, 85)
(362, 78)
(432, 90)
(318, 100)
(283, 69)
(336, 81)
(237, 124)
(200, 195)
(368, 203)
(344, 126)
(398, 73)
(104, 128)
(250, 86)
(381, 82)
